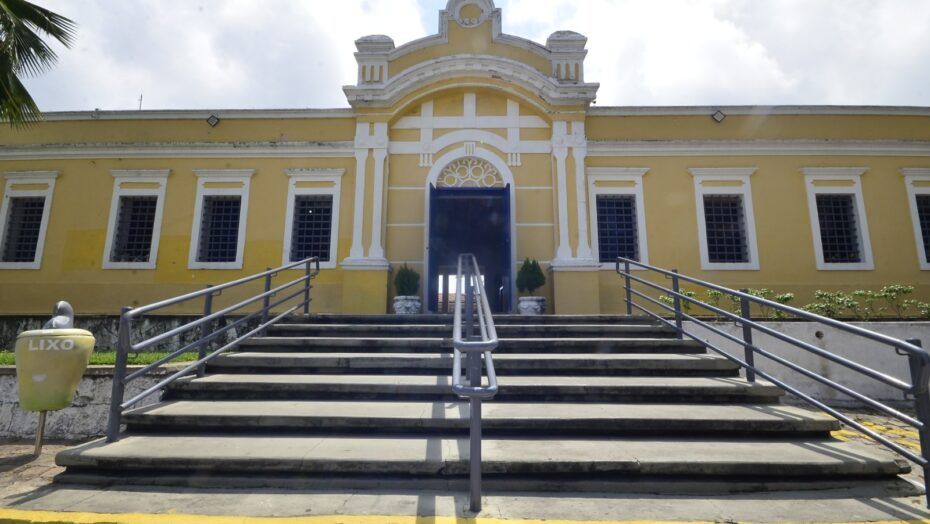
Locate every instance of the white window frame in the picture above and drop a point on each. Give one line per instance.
(222, 176)
(30, 178)
(911, 177)
(726, 174)
(839, 174)
(626, 175)
(145, 176)
(320, 176)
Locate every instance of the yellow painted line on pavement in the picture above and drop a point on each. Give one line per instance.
(13, 516)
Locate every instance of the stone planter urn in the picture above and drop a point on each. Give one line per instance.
(407, 305)
(531, 305)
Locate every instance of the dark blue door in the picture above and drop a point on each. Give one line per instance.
(470, 220)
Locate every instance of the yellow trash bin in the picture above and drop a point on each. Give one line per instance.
(49, 366)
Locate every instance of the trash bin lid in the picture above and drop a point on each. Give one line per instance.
(55, 333)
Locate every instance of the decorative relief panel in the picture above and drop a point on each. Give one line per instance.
(470, 172)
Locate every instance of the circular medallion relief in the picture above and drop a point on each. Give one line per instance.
(470, 172)
(470, 13)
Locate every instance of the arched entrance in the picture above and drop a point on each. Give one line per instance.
(470, 210)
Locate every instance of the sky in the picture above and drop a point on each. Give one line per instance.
(257, 54)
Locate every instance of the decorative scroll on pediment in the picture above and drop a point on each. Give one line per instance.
(470, 172)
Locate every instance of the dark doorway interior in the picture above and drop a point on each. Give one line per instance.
(469, 220)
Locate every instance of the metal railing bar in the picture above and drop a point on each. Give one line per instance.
(209, 318)
(855, 366)
(832, 412)
(210, 338)
(197, 294)
(134, 400)
(810, 374)
(878, 337)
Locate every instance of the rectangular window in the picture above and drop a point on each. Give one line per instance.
(725, 225)
(616, 227)
(312, 220)
(923, 218)
(838, 218)
(23, 228)
(219, 229)
(725, 217)
(220, 218)
(312, 227)
(134, 226)
(24, 216)
(839, 231)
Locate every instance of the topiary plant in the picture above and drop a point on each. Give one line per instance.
(530, 277)
(406, 282)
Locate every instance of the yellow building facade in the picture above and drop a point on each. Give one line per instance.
(469, 140)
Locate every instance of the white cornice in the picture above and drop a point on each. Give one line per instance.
(916, 172)
(638, 172)
(141, 174)
(27, 176)
(833, 172)
(437, 70)
(311, 173)
(199, 114)
(759, 148)
(180, 150)
(224, 173)
(760, 110)
(723, 172)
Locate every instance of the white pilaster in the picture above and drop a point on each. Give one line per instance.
(376, 250)
(580, 153)
(361, 160)
(563, 252)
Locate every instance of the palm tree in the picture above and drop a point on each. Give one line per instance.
(24, 53)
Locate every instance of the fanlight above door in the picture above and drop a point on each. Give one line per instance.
(470, 172)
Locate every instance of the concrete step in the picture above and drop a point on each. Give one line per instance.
(697, 458)
(445, 330)
(536, 419)
(659, 364)
(447, 319)
(433, 345)
(512, 388)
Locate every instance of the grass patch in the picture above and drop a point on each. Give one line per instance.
(108, 358)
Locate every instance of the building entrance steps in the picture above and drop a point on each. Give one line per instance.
(585, 403)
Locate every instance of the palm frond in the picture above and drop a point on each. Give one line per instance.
(20, 24)
(16, 104)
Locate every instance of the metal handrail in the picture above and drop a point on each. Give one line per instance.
(207, 334)
(469, 283)
(918, 389)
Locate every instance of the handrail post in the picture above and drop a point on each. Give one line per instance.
(266, 302)
(205, 332)
(474, 452)
(307, 272)
(629, 288)
(919, 379)
(119, 374)
(469, 305)
(745, 314)
(676, 287)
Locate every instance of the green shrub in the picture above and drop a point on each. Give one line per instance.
(894, 295)
(685, 305)
(406, 282)
(530, 277)
(866, 304)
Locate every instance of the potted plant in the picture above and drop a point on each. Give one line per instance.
(407, 285)
(529, 279)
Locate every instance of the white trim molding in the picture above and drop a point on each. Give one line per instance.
(301, 176)
(220, 176)
(633, 179)
(224, 150)
(374, 143)
(913, 176)
(759, 110)
(851, 180)
(28, 178)
(158, 178)
(665, 148)
(742, 187)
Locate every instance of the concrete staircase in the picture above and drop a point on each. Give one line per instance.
(607, 404)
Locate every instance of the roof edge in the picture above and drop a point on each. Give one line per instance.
(760, 110)
(198, 114)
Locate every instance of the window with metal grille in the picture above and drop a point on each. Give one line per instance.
(839, 229)
(616, 227)
(23, 226)
(219, 229)
(312, 227)
(725, 229)
(923, 216)
(135, 223)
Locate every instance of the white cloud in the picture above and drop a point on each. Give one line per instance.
(298, 53)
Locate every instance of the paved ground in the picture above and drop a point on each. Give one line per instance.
(26, 493)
